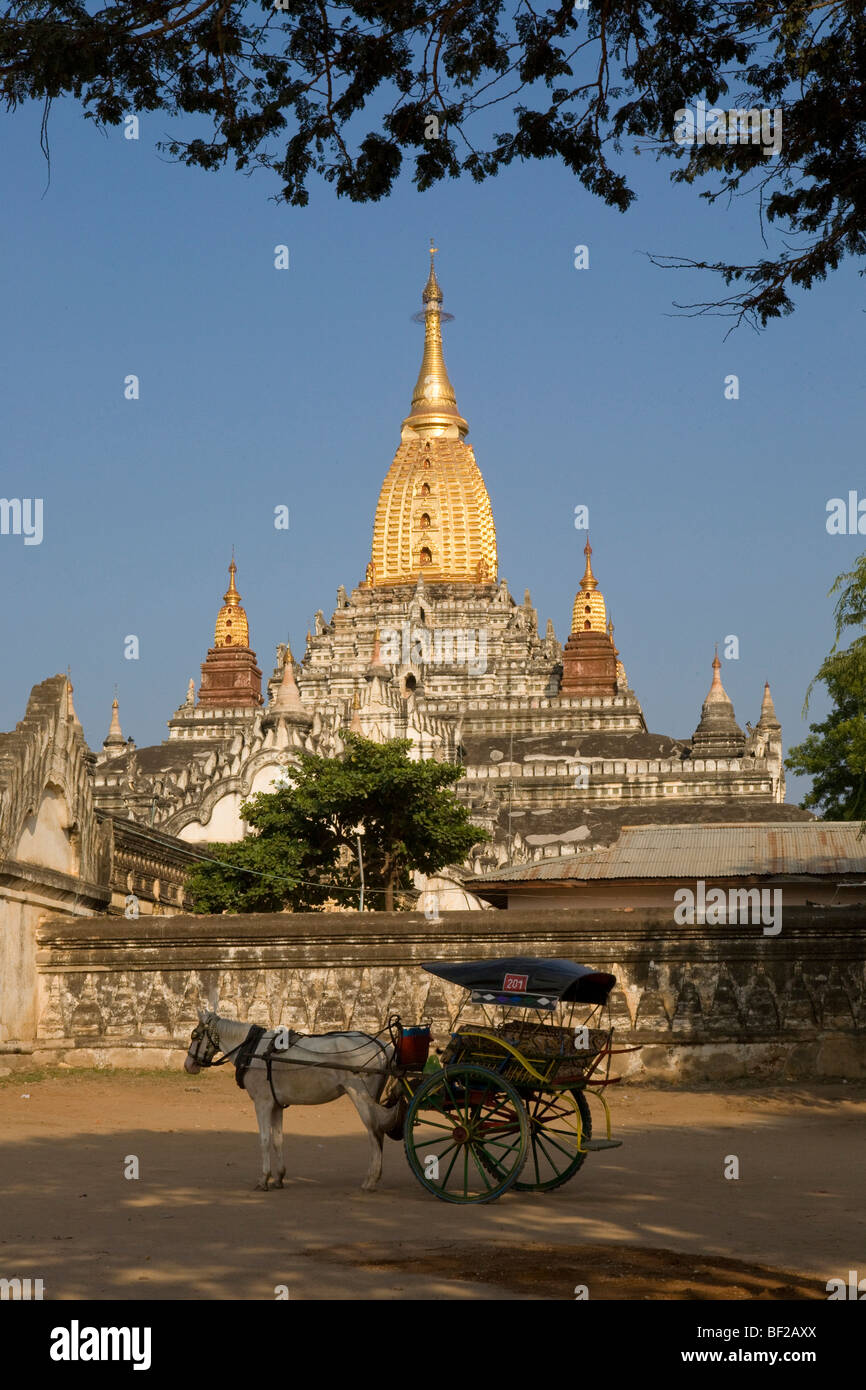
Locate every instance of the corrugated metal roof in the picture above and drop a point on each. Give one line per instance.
(708, 851)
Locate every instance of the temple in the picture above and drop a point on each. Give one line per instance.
(430, 645)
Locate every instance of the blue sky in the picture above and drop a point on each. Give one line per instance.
(260, 387)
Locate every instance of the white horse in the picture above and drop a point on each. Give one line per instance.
(293, 1084)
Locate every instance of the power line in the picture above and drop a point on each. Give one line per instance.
(353, 888)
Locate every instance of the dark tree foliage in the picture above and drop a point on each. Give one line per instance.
(347, 91)
(302, 850)
(834, 752)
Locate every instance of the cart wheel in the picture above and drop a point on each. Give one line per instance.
(553, 1148)
(467, 1134)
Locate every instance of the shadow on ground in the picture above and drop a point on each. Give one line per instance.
(654, 1219)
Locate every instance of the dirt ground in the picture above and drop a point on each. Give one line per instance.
(655, 1219)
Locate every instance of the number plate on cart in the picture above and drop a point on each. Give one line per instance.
(515, 984)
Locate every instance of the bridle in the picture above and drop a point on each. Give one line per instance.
(246, 1050)
(207, 1030)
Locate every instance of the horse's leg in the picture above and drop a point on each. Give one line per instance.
(370, 1114)
(264, 1106)
(278, 1165)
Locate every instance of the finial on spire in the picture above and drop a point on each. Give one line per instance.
(431, 289)
(589, 581)
(287, 700)
(115, 737)
(718, 734)
(70, 707)
(769, 718)
(717, 693)
(434, 404)
(231, 596)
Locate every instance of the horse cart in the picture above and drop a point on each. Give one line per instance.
(506, 1105)
(503, 1105)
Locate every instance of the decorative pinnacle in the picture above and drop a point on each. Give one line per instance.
(717, 693)
(288, 696)
(434, 403)
(768, 709)
(431, 289)
(589, 581)
(70, 707)
(231, 596)
(115, 737)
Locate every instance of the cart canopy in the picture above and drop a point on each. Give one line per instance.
(526, 981)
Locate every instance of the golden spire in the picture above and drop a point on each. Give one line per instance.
(589, 580)
(231, 596)
(434, 516)
(434, 404)
(589, 613)
(232, 628)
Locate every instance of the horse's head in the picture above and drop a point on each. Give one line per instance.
(203, 1044)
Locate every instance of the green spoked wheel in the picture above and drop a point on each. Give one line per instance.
(467, 1134)
(553, 1156)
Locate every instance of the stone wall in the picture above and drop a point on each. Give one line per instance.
(704, 1003)
(58, 854)
(54, 855)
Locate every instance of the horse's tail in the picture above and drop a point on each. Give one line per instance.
(398, 1104)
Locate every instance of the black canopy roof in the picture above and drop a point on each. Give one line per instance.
(518, 979)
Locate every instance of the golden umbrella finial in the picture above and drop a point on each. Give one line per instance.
(231, 596)
(434, 403)
(589, 580)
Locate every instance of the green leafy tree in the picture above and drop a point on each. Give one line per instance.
(834, 753)
(348, 91)
(302, 849)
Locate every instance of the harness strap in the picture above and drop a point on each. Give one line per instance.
(271, 1054)
(269, 1062)
(246, 1052)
